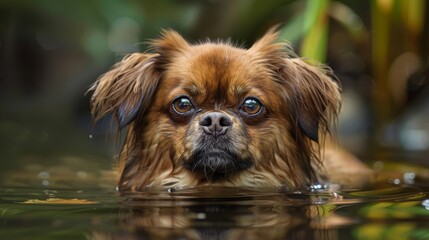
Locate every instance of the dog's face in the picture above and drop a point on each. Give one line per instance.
(214, 114)
(217, 106)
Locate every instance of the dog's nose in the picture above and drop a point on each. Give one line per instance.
(215, 123)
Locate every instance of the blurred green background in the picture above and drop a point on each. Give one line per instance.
(51, 51)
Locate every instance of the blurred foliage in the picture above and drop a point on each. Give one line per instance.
(404, 22)
(316, 22)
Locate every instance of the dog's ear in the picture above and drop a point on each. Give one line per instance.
(126, 89)
(309, 90)
(129, 86)
(168, 46)
(316, 99)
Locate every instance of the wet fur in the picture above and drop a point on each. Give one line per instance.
(283, 148)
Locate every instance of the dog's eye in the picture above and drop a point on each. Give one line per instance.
(251, 106)
(182, 105)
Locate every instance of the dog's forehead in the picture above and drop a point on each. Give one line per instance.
(216, 75)
(217, 69)
(218, 61)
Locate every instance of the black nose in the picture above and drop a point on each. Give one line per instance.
(215, 123)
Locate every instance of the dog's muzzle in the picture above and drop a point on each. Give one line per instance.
(215, 156)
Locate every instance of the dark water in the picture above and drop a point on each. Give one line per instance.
(34, 208)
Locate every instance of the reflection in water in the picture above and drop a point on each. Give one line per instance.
(70, 211)
(235, 215)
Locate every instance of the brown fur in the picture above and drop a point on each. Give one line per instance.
(282, 144)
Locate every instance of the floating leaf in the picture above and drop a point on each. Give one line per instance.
(59, 201)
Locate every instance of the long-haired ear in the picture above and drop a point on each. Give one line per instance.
(170, 44)
(126, 89)
(269, 50)
(317, 96)
(313, 94)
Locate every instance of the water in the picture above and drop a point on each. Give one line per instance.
(81, 208)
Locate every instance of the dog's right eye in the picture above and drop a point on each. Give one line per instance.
(182, 105)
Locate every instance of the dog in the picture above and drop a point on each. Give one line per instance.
(214, 114)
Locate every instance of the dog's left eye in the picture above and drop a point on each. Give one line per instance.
(182, 105)
(251, 106)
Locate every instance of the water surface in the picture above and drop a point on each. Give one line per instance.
(79, 207)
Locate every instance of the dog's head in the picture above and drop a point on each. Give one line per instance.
(212, 113)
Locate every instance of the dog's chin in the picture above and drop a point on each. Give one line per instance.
(216, 162)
